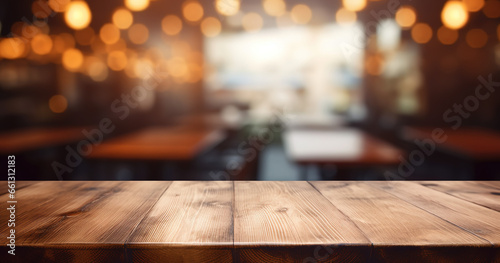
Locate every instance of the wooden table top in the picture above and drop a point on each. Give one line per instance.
(226, 221)
(476, 143)
(159, 143)
(343, 147)
(34, 138)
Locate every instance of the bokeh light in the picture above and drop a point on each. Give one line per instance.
(406, 16)
(58, 104)
(109, 33)
(59, 5)
(171, 25)
(177, 67)
(72, 59)
(374, 65)
(12, 48)
(421, 33)
(476, 38)
(40, 9)
(122, 18)
(41, 44)
(447, 36)
(345, 17)
(137, 5)
(473, 5)
(58, 45)
(301, 14)
(96, 69)
(227, 7)
(492, 9)
(192, 11)
(143, 68)
(274, 7)
(354, 5)
(138, 34)
(117, 60)
(454, 15)
(77, 15)
(252, 22)
(195, 73)
(210, 27)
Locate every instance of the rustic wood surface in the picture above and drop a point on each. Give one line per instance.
(35, 138)
(191, 222)
(271, 215)
(341, 147)
(159, 143)
(325, 221)
(482, 193)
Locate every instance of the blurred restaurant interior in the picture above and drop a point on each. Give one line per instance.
(251, 89)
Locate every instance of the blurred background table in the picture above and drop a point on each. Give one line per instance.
(157, 152)
(478, 146)
(476, 143)
(343, 148)
(159, 143)
(36, 138)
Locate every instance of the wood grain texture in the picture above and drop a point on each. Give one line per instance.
(481, 221)
(400, 231)
(34, 138)
(82, 221)
(191, 222)
(481, 193)
(253, 222)
(344, 147)
(158, 143)
(36, 208)
(19, 185)
(292, 222)
(489, 184)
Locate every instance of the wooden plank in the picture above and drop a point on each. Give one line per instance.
(400, 231)
(34, 207)
(19, 185)
(492, 184)
(85, 222)
(292, 222)
(475, 192)
(33, 200)
(481, 221)
(251, 222)
(191, 222)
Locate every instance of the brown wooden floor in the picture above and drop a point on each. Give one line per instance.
(255, 222)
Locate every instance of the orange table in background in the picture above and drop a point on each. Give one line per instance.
(159, 143)
(476, 143)
(35, 138)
